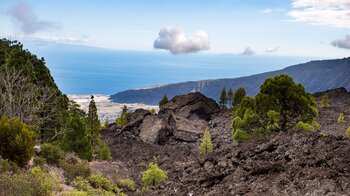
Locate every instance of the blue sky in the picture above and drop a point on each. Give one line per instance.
(316, 28)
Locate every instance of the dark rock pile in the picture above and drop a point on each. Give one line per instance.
(183, 119)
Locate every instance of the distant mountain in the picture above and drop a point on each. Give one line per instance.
(316, 76)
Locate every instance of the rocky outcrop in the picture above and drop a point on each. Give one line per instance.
(134, 120)
(182, 119)
(193, 106)
(154, 129)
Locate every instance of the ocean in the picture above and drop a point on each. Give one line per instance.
(88, 70)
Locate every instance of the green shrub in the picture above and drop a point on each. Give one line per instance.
(301, 126)
(341, 118)
(5, 166)
(81, 184)
(104, 153)
(323, 134)
(17, 140)
(86, 186)
(100, 182)
(128, 184)
(39, 161)
(152, 111)
(347, 132)
(154, 176)
(206, 146)
(32, 182)
(46, 183)
(8, 166)
(53, 153)
(17, 184)
(75, 169)
(75, 193)
(241, 136)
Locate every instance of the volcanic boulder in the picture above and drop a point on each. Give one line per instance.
(183, 119)
(193, 106)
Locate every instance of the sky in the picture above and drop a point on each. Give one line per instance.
(313, 28)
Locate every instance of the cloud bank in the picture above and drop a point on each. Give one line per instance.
(248, 51)
(28, 21)
(177, 42)
(342, 43)
(322, 12)
(271, 50)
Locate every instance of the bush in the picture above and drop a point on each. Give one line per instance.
(96, 184)
(17, 184)
(347, 132)
(241, 136)
(341, 118)
(100, 182)
(301, 126)
(17, 140)
(75, 193)
(5, 166)
(45, 183)
(8, 166)
(39, 161)
(73, 170)
(152, 111)
(104, 153)
(128, 184)
(53, 153)
(154, 176)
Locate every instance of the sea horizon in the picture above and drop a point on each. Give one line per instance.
(83, 70)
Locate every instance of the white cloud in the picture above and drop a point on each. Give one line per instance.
(342, 43)
(271, 50)
(248, 51)
(175, 40)
(28, 21)
(322, 12)
(267, 11)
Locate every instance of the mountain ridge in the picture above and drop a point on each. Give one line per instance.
(316, 76)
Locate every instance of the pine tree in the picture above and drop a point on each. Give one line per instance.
(93, 124)
(223, 98)
(238, 97)
(230, 97)
(206, 145)
(163, 101)
(325, 101)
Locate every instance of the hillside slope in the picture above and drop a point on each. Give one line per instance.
(316, 76)
(285, 163)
